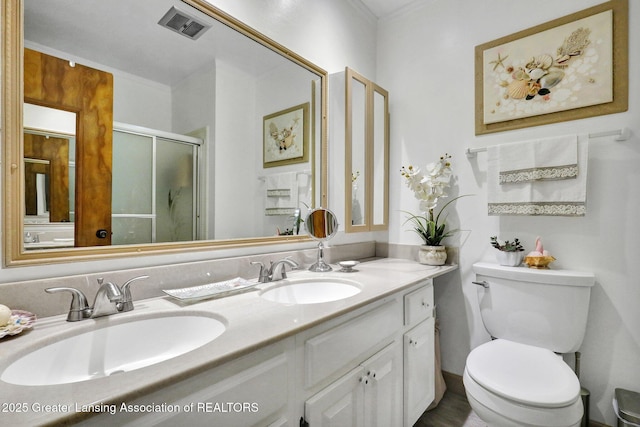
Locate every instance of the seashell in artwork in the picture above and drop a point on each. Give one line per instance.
(520, 74)
(537, 73)
(534, 87)
(518, 89)
(552, 79)
(543, 61)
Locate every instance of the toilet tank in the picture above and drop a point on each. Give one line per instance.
(545, 308)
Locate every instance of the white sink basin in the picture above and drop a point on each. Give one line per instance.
(311, 290)
(113, 349)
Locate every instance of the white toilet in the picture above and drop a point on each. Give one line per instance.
(520, 378)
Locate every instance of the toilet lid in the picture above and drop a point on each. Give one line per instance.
(526, 374)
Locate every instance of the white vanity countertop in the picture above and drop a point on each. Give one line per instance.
(252, 322)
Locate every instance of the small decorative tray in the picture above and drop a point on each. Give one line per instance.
(19, 321)
(211, 290)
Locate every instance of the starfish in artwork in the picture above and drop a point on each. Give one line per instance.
(498, 62)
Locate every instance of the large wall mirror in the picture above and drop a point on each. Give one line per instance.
(151, 126)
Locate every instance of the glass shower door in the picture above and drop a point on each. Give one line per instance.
(133, 202)
(154, 188)
(175, 207)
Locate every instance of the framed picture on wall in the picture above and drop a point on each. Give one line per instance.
(286, 136)
(566, 69)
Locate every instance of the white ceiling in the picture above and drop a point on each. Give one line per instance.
(383, 8)
(124, 35)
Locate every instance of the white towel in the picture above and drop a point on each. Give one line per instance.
(565, 197)
(541, 159)
(281, 193)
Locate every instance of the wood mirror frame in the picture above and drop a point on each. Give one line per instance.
(13, 165)
(367, 117)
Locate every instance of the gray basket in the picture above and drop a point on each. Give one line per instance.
(627, 406)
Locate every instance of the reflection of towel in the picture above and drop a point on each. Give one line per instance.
(305, 185)
(566, 197)
(550, 158)
(281, 193)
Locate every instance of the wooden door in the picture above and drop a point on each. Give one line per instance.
(56, 152)
(55, 83)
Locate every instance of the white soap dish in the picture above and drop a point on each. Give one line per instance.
(212, 290)
(347, 266)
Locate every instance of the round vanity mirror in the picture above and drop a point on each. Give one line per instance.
(321, 225)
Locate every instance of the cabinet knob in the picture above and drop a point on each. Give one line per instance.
(413, 342)
(364, 380)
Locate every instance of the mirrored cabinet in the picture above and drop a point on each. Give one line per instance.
(366, 118)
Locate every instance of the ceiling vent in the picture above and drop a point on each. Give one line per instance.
(182, 23)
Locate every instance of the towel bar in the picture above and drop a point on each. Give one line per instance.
(620, 135)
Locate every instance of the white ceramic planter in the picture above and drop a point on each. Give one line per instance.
(509, 259)
(432, 255)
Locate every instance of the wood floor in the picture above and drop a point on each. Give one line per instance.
(452, 411)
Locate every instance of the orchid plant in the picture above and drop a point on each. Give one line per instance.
(429, 187)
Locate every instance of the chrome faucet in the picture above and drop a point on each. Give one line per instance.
(110, 299)
(275, 271)
(107, 299)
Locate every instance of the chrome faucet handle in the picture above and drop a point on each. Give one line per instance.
(263, 275)
(79, 307)
(127, 302)
(107, 299)
(278, 267)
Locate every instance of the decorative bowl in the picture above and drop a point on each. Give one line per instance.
(540, 262)
(20, 321)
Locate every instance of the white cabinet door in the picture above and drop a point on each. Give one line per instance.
(340, 404)
(383, 387)
(419, 370)
(370, 395)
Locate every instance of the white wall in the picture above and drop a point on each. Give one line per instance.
(141, 102)
(426, 61)
(234, 137)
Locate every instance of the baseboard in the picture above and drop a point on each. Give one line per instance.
(454, 383)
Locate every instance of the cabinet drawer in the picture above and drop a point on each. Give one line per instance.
(340, 347)
(418, 305)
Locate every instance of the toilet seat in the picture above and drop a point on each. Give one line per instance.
(509, 383)
(523, 373)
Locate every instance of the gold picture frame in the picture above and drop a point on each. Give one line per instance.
(566, 69)
(286, 136)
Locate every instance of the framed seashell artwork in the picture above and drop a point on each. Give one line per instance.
(566, 69)
(286, 137)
